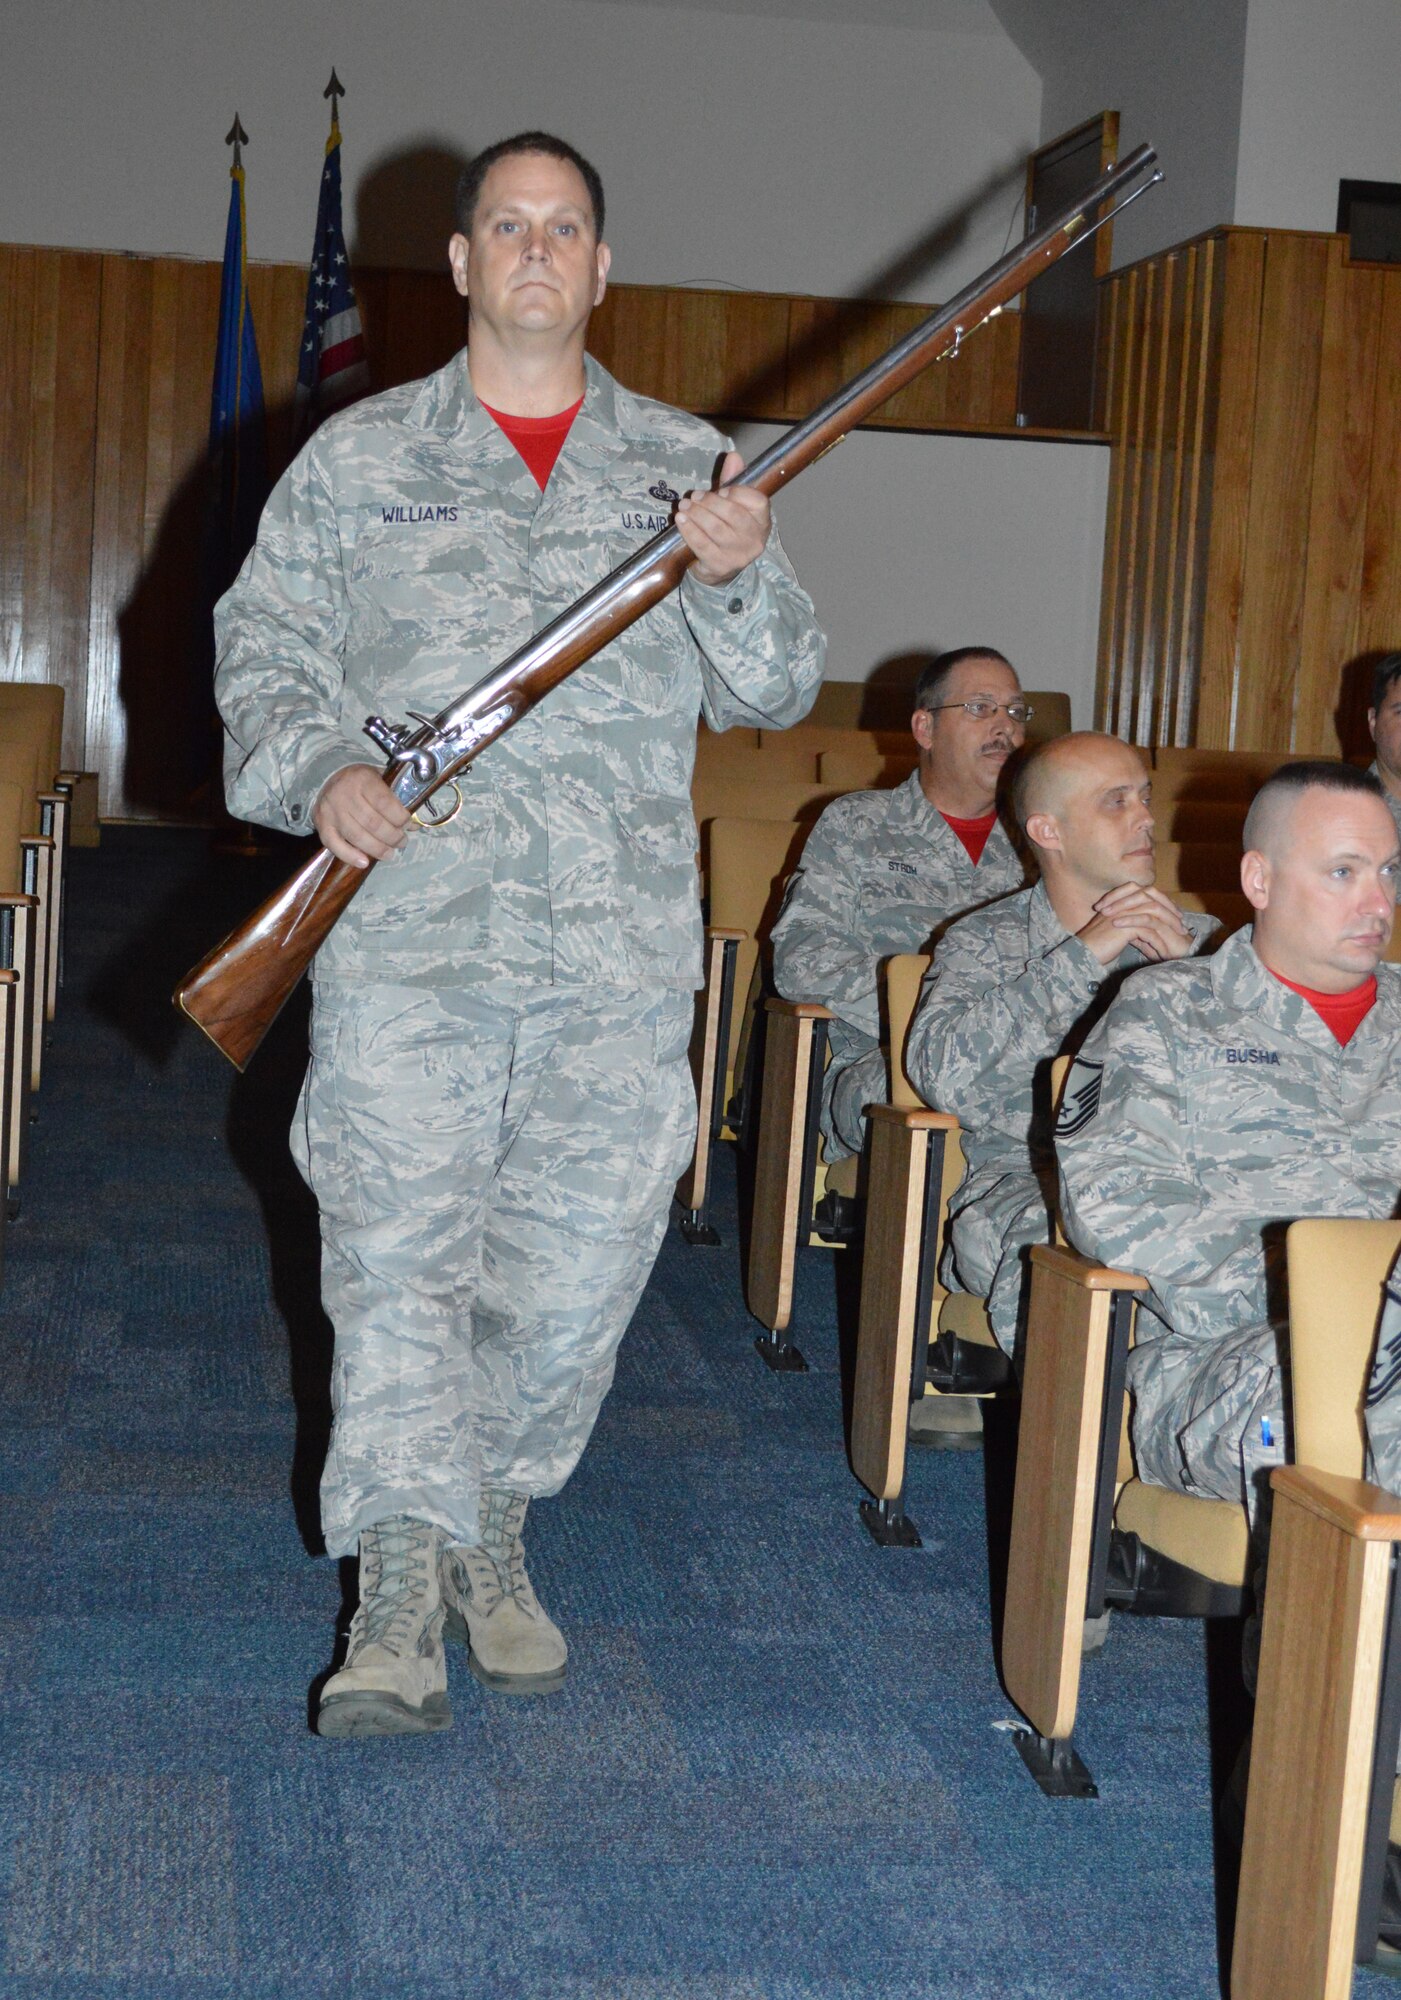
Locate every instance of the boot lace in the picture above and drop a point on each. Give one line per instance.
(502, 1518)
(397, 1570)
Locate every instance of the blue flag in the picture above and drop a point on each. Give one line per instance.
(238, 458)
(331, 368)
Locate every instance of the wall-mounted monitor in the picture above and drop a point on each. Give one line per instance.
(1369, 215)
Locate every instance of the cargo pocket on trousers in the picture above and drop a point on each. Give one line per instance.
(667, 1132)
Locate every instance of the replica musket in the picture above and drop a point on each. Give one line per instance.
(237, 991)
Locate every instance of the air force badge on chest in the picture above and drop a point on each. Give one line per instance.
(655, 511)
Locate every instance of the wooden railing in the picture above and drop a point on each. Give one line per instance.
(1251, 383)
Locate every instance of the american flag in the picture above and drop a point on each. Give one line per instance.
(332, 370)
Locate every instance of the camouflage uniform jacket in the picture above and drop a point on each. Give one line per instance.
(881, 873)
(1010, 988)
(1209, 1108)
(406, 552)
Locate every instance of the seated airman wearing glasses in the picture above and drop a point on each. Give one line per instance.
(885, 872)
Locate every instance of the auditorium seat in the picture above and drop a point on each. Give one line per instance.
(744, 795)
(1201, 775)
(36, 873)
(786, 1168)
(1087, 1533)
(1322, 1772)
(866, 768)
(21, 966)
(1203, 866)
(1217, 822)
(29, 734)
(910, 1327)
(747, 863)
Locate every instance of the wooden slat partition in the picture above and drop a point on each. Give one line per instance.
(105, 371)
(1251, 381)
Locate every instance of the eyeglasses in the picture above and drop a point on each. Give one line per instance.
(983, 710)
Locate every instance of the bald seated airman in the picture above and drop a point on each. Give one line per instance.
(1216, 1101)
(1024, 980)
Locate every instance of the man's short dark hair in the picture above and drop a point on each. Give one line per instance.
(469, 184)
(1384, 676)
(934, 678)
(1290, 780)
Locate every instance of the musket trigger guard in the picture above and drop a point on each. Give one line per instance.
(440, 820)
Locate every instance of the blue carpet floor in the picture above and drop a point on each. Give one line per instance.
(778, 1770)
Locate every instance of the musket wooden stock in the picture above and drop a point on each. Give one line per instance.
(237, 991)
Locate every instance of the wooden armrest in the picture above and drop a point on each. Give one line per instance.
(717, 934)
(799, 1010)
(18, 900)
(52, 798)
(1368, 1513)
(1079, 1270)
(911, 1119)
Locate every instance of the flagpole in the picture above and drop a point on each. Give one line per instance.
(227, 435)
(331, 364)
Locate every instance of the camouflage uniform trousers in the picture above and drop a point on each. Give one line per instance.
(866, 1080)
(1219, 1412)
(494, 1168)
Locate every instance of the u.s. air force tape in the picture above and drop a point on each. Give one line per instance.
(1080, 1098)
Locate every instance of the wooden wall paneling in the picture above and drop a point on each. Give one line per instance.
(1174, 452)
(1201, 391)
(119, 509)
(1333, 582)
(1242, 283)
(17, 266)
(813, 371)
(1135, 450)
(1379, 625)
(38, 488)
(1159, 410)
(1272, 600)
(414, 323)
(637, 338)
(943, 391)
(71, 432)
(1115, 320)
(1006, 332)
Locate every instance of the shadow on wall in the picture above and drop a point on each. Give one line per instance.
(837, 337)
(405, 208)
(172, 756)
(1354, 700)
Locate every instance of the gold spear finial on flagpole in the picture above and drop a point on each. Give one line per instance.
(238, 139)
(335, 90)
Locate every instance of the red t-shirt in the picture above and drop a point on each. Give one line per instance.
(972, 832)
(1343, 1012)
(539, 440)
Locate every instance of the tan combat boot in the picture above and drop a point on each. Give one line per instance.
(394, 1681)
(512, 1643)
(947, 1423)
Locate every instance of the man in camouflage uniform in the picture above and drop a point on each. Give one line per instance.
(1384, 721)
(883, 872)
(1024, 980)
(1217, 1100)
(499, 1101)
